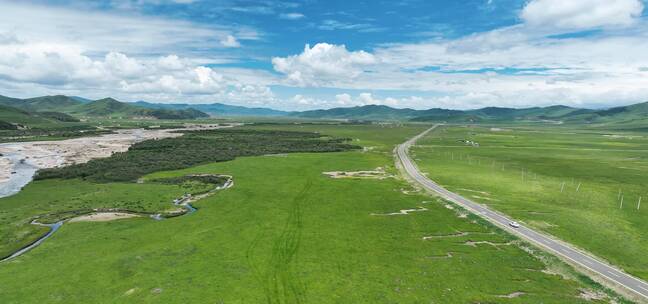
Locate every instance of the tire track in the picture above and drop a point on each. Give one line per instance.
(281, 284)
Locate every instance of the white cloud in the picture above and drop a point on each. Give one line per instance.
(291, 16)
(95, 54)
(230, 42)
(134, 57)
(343, 99)
(100, 32)
(171, 62)
(581, 14)
(122, 66)
(513, 66)
(367, 99)
(323, 64)
(29, 69)
(335, 25)
(301, 100)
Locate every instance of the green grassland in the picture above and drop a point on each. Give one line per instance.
(567, 182)
(284, 233)
(193, 148)
(64, 198)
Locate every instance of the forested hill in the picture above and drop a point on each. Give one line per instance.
(107, 107)
(633, 114)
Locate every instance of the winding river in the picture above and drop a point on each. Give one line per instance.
(184, 201)
(22, 160)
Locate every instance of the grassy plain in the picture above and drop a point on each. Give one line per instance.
(583, 186)
(286, 233)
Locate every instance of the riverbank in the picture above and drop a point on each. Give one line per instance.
(19, 161)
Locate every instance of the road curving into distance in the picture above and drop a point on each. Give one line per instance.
(546, 242)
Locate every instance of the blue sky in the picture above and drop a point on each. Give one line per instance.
(321, 54)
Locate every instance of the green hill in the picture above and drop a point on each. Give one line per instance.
(56, 107)
(62, 117)
(55, 103)
(104, 107)
(369, 112)
(380, 112)
(113, 108)
(11, 102)
(13, 118)
(217, 109)
(634, 115)
(53, 108)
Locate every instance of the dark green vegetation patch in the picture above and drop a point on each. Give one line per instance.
(195, 183)
(195, 148)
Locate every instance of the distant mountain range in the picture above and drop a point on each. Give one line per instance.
(633, 114)
(216, 109)
(68, 107)
(107, 107)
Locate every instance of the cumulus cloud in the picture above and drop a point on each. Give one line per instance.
(323, 64)
(506, 67)
(171, 62)
(581, 14)
(122, 66)
(96, 54)
(29, 68)
(343, 99)
(230, 42)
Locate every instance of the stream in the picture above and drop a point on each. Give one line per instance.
(25, 165)
(184, 201)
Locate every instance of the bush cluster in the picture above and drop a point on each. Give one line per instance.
(193, 148)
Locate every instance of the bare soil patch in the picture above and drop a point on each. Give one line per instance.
(513, 295)
(403, 211)
(378, 173)
(591, 295)
(103, 217)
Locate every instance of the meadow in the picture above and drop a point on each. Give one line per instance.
(286, 233)
(584, 186)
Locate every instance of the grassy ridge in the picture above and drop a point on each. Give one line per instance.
(567, 182)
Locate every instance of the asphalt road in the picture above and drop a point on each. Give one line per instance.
(544, 241)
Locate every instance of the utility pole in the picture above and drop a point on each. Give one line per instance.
(578, 187)
(639, 203)
(621, 205)
(562, 186)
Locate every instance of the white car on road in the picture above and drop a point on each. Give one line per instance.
(514, 224)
